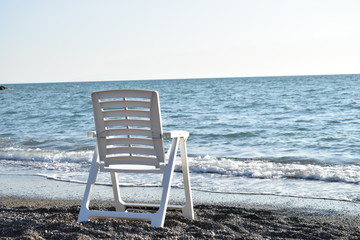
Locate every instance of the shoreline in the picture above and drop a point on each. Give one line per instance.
(40, 187)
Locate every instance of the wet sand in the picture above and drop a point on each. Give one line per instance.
(22, 218)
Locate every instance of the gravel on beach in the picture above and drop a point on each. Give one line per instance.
(56, 219)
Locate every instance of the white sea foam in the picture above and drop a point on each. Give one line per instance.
(275, 170)
(208, 173)
(46, 160)
(39, 155)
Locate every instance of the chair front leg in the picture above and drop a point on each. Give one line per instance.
(159, 216)
(84, 209)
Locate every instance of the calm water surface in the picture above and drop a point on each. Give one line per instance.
(295, 136)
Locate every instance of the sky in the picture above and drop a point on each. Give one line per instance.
(88, 40)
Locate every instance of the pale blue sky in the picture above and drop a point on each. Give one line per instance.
(86, 40)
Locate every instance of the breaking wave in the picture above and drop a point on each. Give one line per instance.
(48, 161)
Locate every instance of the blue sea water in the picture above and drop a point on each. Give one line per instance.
(293, 136)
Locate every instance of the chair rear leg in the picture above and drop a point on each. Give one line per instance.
(188, 210)
(119, 203)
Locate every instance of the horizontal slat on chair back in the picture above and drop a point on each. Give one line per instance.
(126, 141)
(131, 150)
(128, 125)
(125, 122)
(126, 113)
(130, 104)
(132, 160)
(125, 94)
(128, 132)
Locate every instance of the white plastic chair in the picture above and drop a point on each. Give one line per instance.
(130, 139)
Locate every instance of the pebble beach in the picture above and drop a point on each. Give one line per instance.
(54, 219)
(27, 213)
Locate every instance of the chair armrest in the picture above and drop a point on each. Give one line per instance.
(175, 134)
(91, 134)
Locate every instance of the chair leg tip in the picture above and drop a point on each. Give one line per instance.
(82, 218)
(157, 223)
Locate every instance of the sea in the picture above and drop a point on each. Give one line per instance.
(285, 136)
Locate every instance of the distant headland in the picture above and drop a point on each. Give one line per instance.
(4, 88)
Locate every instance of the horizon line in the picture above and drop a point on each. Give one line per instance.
(188, 78)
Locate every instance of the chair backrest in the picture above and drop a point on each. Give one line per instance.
(128, 126)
